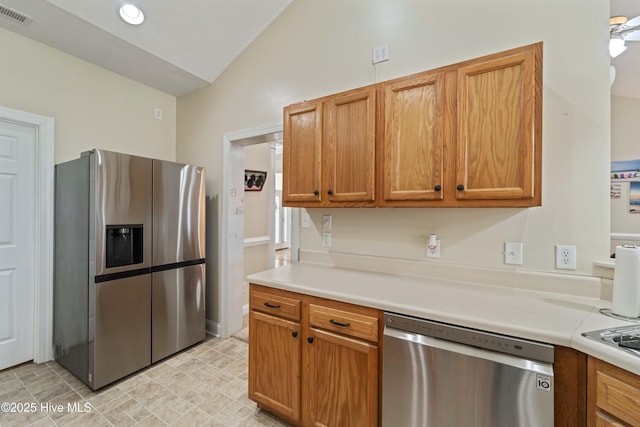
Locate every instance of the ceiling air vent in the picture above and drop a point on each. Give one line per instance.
(14, 14)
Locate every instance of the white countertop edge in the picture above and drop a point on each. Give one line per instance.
(551, 337)
(610, 263)
(568, 335)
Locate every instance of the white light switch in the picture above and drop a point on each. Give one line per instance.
(326, 223)
(326, 240)
(305, 220)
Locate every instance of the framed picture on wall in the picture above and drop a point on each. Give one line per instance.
(625, 170)
(254, 180)
(634, 197)
(616, 190)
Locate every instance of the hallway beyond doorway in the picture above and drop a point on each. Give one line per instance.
(283, 257)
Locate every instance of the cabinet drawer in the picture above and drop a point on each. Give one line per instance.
(278, 305)
(344, 322)
(618, 398)
(603, 420)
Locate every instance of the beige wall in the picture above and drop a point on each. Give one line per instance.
(92, 107)
(256, 212)
(320, 47)
(625, 136)
(256, 203)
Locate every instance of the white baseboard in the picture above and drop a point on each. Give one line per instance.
(213, 328)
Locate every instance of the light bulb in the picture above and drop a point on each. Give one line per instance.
(616, 47)
(131, 14)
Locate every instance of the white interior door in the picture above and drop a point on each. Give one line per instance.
(17, 249)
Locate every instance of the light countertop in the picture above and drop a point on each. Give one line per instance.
(541, 316)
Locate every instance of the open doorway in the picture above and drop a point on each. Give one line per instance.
(283, 215)
(232, 241)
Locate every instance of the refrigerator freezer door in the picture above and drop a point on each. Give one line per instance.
(178, 318)
(122, 343)
(123, 191)
(178, 213)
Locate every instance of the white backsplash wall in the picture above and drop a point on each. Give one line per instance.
(473, 237)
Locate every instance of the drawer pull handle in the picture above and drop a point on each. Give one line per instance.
(335, 322)
(294, 334)
(310, 340)
(271, 305)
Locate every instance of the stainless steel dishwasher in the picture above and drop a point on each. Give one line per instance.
(440, 375)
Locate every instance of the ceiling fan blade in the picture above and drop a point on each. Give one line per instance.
(632, 36)
(634, 22)
(623, 30)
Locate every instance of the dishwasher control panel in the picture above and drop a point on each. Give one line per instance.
(481, 339)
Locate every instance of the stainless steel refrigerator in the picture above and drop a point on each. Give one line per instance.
(129, 277)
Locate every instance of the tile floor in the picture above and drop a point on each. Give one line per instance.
(205, 385)
(283, 257)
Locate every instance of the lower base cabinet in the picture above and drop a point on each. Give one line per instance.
(316, 362)
(274, 369)
(613, 396)
(312, 361)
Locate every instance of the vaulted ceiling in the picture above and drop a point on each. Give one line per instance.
(181, 46)
(186, 44)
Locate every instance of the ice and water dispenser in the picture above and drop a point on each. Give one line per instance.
(124, 245)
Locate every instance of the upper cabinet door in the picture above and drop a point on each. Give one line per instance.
(499, 127)
(349, 146)
(413, 160)
(302, 145)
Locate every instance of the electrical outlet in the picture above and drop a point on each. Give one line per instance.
(513, 253)
(326, 240)
(433, 248)
(566, 257)
(380, 54)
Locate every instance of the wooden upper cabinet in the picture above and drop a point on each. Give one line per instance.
(499, 110)
(302, 153)
(349, 146)
(413, 159)
(464, 135)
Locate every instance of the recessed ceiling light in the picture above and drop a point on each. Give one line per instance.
(131, 14)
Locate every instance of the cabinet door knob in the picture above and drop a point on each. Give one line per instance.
(437, 188)
(460, 187)
(294, 334)
(329, 191)
(316, 192)
(310, 340)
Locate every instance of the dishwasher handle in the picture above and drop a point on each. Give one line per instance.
(481, 353)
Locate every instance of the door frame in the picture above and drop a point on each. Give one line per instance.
(43, 241)
(232, 253)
